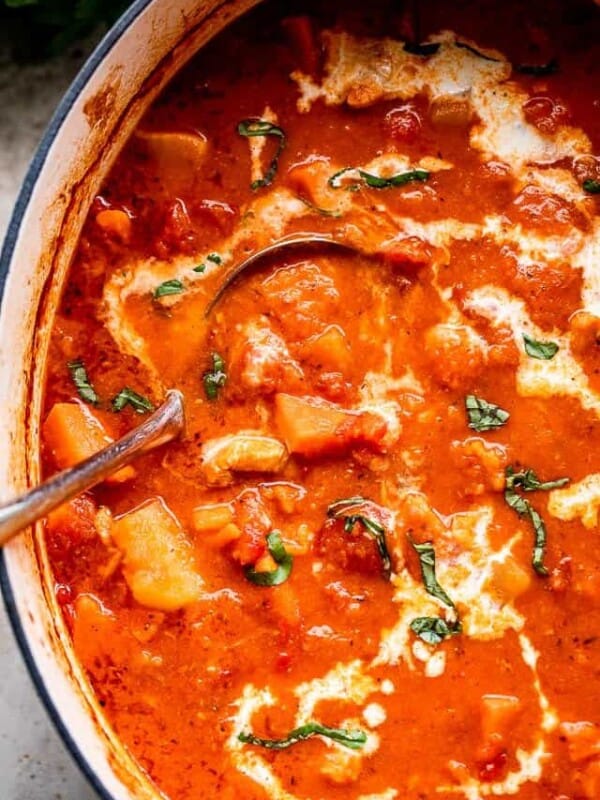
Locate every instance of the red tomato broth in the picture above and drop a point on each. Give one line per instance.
(169, 680)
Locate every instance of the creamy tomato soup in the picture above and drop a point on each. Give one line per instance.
(370, 569)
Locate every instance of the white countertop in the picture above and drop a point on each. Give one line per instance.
(34, 764)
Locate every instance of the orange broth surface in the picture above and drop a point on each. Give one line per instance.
(417, 621)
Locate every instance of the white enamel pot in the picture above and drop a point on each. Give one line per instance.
(125, 73)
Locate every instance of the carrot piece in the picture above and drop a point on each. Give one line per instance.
(311, 426)
(72, 432)
(115, 222)
(301, 33)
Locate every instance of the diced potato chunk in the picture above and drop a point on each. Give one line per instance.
(207, 519)
(115, 222)
(175, 151)
(241, 452)
(159, 564)
(583, 739)
(509, 579)
(498, 714)
(329, 348)
(73, 432)
(311, 426)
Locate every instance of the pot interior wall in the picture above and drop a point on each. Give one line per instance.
(130, 67)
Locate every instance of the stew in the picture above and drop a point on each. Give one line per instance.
(371, 567)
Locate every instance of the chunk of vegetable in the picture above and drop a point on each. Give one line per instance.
(311, 426)
(262, 362)
(329, 349)
(159, 564)
(212, 518)
(73, 432)
(583, 739)
(240, 452)
(175, 151)
(115, 222)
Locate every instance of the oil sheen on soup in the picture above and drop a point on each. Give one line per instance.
(370, 567)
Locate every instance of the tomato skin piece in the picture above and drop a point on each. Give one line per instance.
(404, 123)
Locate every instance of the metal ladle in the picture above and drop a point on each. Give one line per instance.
(164, 425)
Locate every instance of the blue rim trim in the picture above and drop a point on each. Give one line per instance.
(37, 164)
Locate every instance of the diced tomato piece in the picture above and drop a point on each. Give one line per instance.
(311, 426)
(494, 769)
(546, 113)
(254, 523)
(351, 552)
(404, 123)
(538, 209)
(408, 252)
(73, 432)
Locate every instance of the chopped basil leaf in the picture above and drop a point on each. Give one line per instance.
(168, 287)
(352, 739)
(542, 350)
(375, 181)
(127, 396)
(422, 49)
(280, 556)
(333, 509)
(434, 630)
(528, 481)
(214, 378)
(214, 257)
(85, 390)
(591, 187)
(337, 511)
(426, 555)
(484, 416)
(322, 211)
(200, 268)
(538, 69)
(478, 53)
(261, 127)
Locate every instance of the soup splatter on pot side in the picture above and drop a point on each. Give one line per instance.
(370, 568)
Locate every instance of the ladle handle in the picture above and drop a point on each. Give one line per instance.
(165, 424)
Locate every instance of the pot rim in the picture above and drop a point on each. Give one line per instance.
(75, 89)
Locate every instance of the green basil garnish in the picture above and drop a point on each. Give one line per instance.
(261, 127)
(340, 509)
(79, 376)
(528, 481)
(214, 257)
(200, 268)
(426, 554)
(376, 182)
(215, 378)
(591, 187)
(168, 287)
(138, 402)
(434, 630)
(478, 53)
(280, 556)
(549, 68)
(484, 416)
(422, 49)
(352, 739)
(542, 350)
(322, 211)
